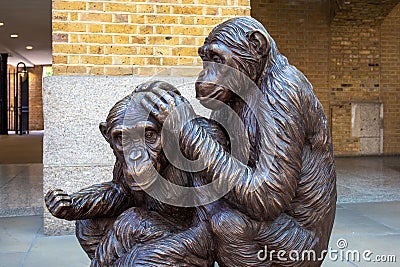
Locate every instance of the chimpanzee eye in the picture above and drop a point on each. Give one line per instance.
(217, 59)
(150, 136)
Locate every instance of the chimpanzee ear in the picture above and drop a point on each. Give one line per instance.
(258, 42)
(103, 130)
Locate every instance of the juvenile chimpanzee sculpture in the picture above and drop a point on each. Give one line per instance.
(118, 224)
(282, 201)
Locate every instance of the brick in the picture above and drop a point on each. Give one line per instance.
(60, 37)
(69, 48)
(137, 60)
(121, 60)
(214, 11)
(95, 28)
(96, 38)
(76, 70)
(95, 17)
(120, 7)
(98, 6)
(120, 18)
(154, 61)
(163, 9)
(161, 40)
(157, 19)
(73, 38)
(60, 59)
(163, 30)
(145, 29)
(68, 5)
(69, 27)
(138, 19)
(187, 10)
(96, 60)
(59, 16)
(121, 39)
(96, 70)
(170, 61)
(73, 16)
(162, 51)
(74, 60)
(121, 28)
(184, 51)
(122, 50)
(145, 50)
(188, 30)
(145, 8)
(187, 41)
(138, 39)
(59, 69)
(118, 70)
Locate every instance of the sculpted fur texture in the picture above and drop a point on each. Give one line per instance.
(284, 196)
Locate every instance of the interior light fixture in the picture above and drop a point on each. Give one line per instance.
(1, 24)
(14, 35)
(29, 47)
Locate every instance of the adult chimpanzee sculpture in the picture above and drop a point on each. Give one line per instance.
(118, 224)
(285, 201)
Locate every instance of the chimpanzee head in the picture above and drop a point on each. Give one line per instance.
(135, 137)
(241, 44)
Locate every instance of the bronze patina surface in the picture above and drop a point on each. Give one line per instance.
(266, 185)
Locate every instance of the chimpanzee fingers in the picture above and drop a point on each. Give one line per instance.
(52, 194)
(157, 101)
(57, 201)
(61, 209)
(167, 97)
(148, 105)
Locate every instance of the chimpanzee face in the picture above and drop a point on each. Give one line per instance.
(138, 145)
(211, 87)
(227, 68)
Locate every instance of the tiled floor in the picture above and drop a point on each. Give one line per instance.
(21, 187)
(368, 217)
(363, 227)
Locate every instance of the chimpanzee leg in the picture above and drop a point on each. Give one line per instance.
(241, 241)
(143, 238)
(90, 232)
(130, 231)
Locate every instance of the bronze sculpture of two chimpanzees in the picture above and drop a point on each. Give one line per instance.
(277, 198)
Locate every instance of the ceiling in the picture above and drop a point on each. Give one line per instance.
(31, 20)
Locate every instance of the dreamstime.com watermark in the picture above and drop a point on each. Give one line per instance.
(342, 253)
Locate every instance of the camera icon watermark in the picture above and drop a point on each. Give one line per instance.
(339, 254)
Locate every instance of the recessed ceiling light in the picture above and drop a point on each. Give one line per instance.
(29, 47)
(14, 35)
(1, 24)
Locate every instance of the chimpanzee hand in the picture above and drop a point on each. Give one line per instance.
(59, 203)
(161, 104)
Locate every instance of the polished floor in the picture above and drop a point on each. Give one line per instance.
(367, 220)
(370, 231)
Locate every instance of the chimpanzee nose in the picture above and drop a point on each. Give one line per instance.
(135, 155)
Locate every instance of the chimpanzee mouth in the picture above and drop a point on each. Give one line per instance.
(141, 179)
(212, 96)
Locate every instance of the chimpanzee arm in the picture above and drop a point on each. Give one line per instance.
(100, 200)
(267, 190)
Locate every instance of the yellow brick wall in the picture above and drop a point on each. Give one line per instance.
(390, 81)
(141, 37)
(348, 55)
